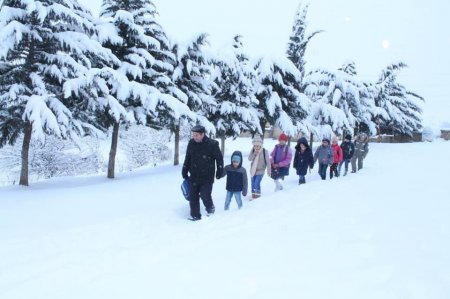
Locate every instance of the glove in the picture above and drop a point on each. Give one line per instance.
(244, 194)
(185, 176)
(218, 175)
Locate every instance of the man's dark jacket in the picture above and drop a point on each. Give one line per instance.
(201, 158)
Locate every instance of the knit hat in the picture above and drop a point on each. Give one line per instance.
(348, 137)
(198, 129)
(257, 140)
(334, 139)
(236, 158)
(283, 137)
(326, 140)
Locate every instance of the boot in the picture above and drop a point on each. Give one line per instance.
(278, 185)
(253, 196)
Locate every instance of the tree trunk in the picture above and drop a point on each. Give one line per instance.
(311, 140)
(263, 128)
(378, 129)
(222, 144)
(176, 158)
(113, 151)
(25, 151)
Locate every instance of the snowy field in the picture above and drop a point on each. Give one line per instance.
(382, 233)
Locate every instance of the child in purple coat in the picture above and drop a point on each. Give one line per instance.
(280, 158)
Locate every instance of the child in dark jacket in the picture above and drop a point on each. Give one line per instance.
(348, 149)
(237, 182)
(303, 159)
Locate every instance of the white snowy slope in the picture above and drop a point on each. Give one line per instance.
(383, 232)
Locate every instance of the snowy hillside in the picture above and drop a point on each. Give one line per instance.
(383, 232)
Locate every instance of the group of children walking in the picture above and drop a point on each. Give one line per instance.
(277, 163)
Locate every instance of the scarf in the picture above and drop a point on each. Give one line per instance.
(255, 163)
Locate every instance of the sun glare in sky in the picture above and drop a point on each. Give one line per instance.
(385, 44)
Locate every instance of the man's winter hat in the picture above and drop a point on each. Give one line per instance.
(257, 140)
(198, 129)
(325, 139)
(236, 158)
(283, 137)
(348, 137)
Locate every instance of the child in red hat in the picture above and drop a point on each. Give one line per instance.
(280, 158)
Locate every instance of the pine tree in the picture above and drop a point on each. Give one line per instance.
(44, 44)
(296, 48)
(326, 89)
(280, 101)
(147, 93)
(191, 71)
(356, 100)
(402, 108)
(299, 40)
(236, 104)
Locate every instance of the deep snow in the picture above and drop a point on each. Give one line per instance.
(383, 232)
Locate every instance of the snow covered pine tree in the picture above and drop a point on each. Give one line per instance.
(43, 44)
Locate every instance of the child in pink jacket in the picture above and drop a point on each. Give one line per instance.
(337, 157)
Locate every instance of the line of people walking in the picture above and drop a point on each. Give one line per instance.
(204, 161)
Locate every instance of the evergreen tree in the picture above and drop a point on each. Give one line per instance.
(279, 100)
(402, 108)
(44, 44)
(191, 71)
(135, 38)
(325, 89)
(356, 101)
(297, 45)
(299, 40)
(236, 104)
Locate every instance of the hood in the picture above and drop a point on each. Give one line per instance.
(236, 153)
(363, 137)
(303, 141)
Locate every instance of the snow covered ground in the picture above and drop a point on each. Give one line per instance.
(381, 233)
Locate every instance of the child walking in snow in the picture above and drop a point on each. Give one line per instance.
(337, 157)
(237, 182)
(325, 156)
(348, 148)
(281, 157)
(361, 151)
(303, 159)
(260, 159)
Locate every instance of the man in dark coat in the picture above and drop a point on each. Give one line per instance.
(202, 155)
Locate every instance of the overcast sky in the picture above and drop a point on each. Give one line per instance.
(373, 33)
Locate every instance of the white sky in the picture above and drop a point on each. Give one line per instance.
(354, 30)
